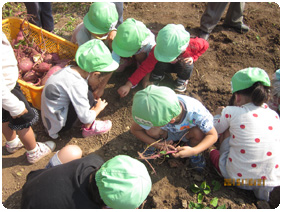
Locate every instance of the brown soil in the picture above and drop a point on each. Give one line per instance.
(228, 53)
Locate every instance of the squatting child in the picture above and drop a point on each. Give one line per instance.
(17, 115)
(160, 113)
(66, 97)
(250, 148)
(133, 42)
(174, 52)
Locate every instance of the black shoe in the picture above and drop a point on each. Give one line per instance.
(155, 79)
(180, 87)
(240, 29)
(204, 35)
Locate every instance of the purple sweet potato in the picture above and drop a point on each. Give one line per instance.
(30, 76)
(25, 65)
(43, 67)
(52, 70)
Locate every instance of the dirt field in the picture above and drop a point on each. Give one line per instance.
(210, 81)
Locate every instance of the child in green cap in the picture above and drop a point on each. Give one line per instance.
(250, 135)
(133, 42)
(66, 97)
(87, 183)
(174, 52)
(160, 113)
(99, 23)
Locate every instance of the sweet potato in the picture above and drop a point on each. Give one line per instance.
(25, 65)
(30, 76)
(52, 70)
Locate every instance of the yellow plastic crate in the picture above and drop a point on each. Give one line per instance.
(53, 44)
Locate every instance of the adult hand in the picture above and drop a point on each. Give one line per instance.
(22, 113)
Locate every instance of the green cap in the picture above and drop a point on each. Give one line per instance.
(123, 182)
(101, 18)
(172, 40)
(155, 106)
(94, 55)
(245, 78)
(129, 37)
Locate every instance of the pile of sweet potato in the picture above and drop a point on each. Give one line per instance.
(35, 65)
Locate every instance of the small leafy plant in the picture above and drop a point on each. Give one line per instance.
(205, 189)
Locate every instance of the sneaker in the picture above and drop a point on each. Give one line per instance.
(14, 148)
(43, 149)
(198, 162)
(97, 128)
(180, 86)
(124, 62)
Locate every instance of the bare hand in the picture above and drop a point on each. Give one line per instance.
(219, 110)
(188, 60)
(22, 113)
(123, 90)
(183, 152)
(100, 105)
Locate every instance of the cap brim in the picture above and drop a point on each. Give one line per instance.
(111, 67)
(121, 52)
(161, 58)
(90, 27)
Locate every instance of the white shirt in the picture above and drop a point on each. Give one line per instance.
(10, 73)
(254, 142)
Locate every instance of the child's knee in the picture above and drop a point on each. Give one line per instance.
(69, 153)
(195, 134)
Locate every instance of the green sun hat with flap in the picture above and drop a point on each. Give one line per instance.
(101, 18)
(123, 182)
(171, 41)
(155, 106)
(130, 35)
(93, 56)
(245, 78)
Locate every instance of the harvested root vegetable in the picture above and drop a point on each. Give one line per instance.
(43, 67)
(25, 65)
(30, 76)
(52, 70)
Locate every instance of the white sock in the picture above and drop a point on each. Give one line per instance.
(33, 150)
(14, 142)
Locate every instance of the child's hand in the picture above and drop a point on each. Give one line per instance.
(18, 116)
(219, 110)
(100, 105)
(188, 60)
(124, 90)
(183, 152)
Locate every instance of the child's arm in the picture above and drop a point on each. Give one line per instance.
(140, 133)
(186, 151)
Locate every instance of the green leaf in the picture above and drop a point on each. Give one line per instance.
(207, 190)
(199, 206)
(200, 198)
(216, 185)
(191, 205)
(221, 207)
(162, 152)
(195, 189)
(214, 201)
(203, 185)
